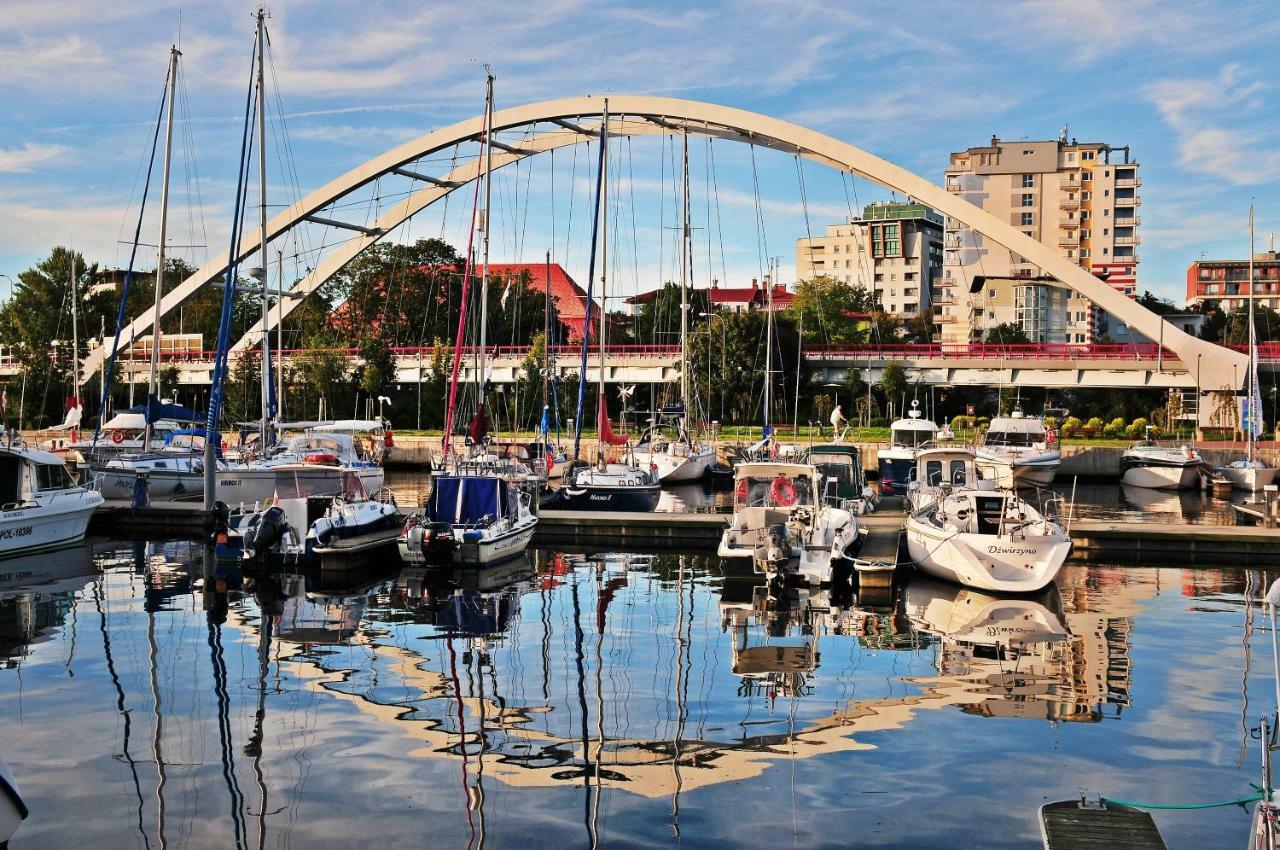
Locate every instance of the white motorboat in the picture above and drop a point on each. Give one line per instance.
(906, 437)
(1015, 452)
(40, 506)
(668, 449)
(1148, 464)
(1249, 475)
(469, 520)
(963, 529)
(301, 531)
(782, 524)
(13, 809)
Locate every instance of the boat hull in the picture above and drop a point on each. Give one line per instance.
(13, 810)
(673, 469)
(161, 485)
(256, 485)
(497, 549)
(1008, 472)
(57, 523)
(985, 561)
(1160, 477)
(593, 497)
(1249, 479)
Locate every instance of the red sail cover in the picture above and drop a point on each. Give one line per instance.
(478, 428)
(606, 427)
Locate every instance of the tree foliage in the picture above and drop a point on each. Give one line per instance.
(832, 310)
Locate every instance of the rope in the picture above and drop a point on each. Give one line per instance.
(1238, 801)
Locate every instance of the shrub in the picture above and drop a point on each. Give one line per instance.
(878, 421)
(1137, 429)
(1115, 427)
(982, 423)
(1092, 428)
(1070, 426)
(1051, 423)
(961, 423)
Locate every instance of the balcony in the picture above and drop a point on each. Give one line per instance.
(1128, 182)
(1131, 221)
(953, 223)
(1128, 240)
(951, 259)
(1128, 202)
(1069, 240)
(1069, 203)
(955, 186)
(1070, 223)
(1070, 184)
(1132, 258)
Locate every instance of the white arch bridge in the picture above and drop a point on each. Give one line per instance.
(525, 131)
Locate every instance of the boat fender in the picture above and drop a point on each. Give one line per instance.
(117, 436)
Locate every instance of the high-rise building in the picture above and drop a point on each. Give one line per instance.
(1225, 283)
(1080, 197)
(894, 251)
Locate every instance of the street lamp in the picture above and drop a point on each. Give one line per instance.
(12, 283)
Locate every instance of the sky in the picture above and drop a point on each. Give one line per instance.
(1190, 86)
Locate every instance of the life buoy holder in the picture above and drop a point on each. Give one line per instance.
(741, 492)
(117, 436)
(784, 492)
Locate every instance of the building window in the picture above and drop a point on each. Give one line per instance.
(1028, 181)
(1105, 251)
(1128, 269)
(1087, 176)
(991, 293)
(1106, 193)
(1106, 231)
(886, 240)
(1086, 155)
(1084, 234)
(1028, 219)
(1028, 200)
(1084, 196)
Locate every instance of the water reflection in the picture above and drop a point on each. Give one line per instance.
(536, 701)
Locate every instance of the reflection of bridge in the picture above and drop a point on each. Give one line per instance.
(984, 364)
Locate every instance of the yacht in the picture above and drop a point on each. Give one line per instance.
(1146, 463)
(40, 506)
(667, 448)
(604, 486)
(964, 529)
(1015, 452)
(906, 437)
(314, 463)
(781, 522)
(470, 520)
(843, 477)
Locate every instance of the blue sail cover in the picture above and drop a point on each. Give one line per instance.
(465, 500)
(155, 410)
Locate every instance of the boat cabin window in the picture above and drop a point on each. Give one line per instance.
(912, 437)
(954, 473)
(781, 491)
(839, 467)
(1012, 439)
(10, 480)
(51, 476)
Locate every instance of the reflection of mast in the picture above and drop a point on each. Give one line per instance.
(595, 806)
(479, 787)
(224, 731)
(254, 747)
(158, 726)
(682, 649)
(582, 705)
(462, 734)
(124, 712)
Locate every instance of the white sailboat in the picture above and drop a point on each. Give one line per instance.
(1015, 452)
(666, 446)
(963, 529)
(1250, 473)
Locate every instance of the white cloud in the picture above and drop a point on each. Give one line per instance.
(22, 159)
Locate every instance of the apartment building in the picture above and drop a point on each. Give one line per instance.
(1224, 284)
(894, 251)
(1080, 197)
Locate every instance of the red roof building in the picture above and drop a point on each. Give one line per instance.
(736, 299)
(571, 299)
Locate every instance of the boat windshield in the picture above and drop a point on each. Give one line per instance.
(1012, 439)
(911, 437)
(782, 491)
(839, 467)
(945, 472)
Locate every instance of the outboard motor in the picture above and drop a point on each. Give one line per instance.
(265, 530)
(774, 551)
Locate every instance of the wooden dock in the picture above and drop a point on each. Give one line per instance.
(1080, 825)
(631, 530)
(182, 520)
(1185, 545)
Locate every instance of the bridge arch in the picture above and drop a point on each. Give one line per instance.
(576, 120)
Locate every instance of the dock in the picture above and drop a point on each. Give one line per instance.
(631, 530)
(1082, 825)
(186, 520)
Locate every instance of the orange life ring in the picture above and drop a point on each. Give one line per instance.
(742, 491)
(117, 436)
(784, 493)
(321, 457)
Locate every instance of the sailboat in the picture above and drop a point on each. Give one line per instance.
(666, 445)
(1250, 473)
(604, 485)
(477, 512)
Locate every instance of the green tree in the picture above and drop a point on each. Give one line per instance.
(832, 310)
(735, 353)
(893, 383)
(657, 322)
(1154, 303)
(323, 374)
(1008, 333)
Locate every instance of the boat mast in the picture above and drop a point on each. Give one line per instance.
(484, 229)
(74, 294)
(686, 258)
(768, 345)
(153, 384)
(546, 344)
(1254, 394)
(602, 414)
(262, 223)
(279, 333)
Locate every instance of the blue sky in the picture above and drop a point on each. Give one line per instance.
(1191, 86)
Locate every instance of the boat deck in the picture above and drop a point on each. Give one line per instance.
(1071, 825)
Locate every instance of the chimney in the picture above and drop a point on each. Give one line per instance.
(755, 284)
